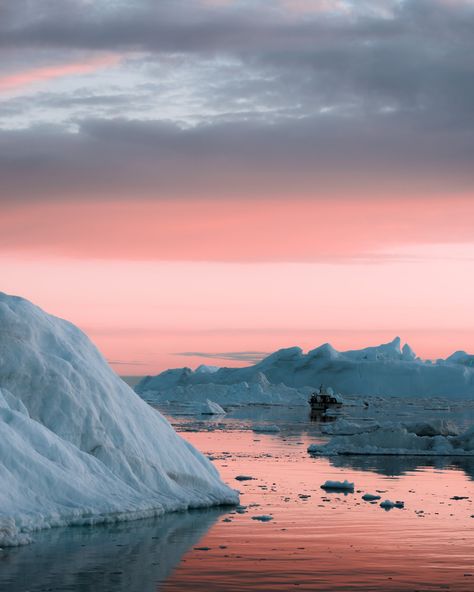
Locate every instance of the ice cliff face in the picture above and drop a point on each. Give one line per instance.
(386, 370)
(76, 443)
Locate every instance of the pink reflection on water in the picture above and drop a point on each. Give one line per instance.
(329, 541)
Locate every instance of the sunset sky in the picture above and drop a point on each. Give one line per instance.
(206, 181)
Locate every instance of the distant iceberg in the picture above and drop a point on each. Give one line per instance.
(77, 445)
(186, 392)
(285, 376)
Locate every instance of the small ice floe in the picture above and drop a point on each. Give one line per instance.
(370, 497)
(241, 509)
(202, 548)
(435, 438)
(244, 478)
(347, 428)
(263, 518)
(459, 497)
(389, 505)
(206, 407)
(345, 485)
(265, 429)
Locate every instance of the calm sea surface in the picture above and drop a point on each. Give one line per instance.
(314, 541)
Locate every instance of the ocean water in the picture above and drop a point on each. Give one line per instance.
(314, 540)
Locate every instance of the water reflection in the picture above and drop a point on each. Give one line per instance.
(397, 466)
(299, 420)
(321, 417)
(128, 556)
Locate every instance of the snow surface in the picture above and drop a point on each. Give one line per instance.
(77, 445)
(287, 377)
(437, 438)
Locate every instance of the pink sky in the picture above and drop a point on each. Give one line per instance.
(238, 230)
(149, 281)
(240, 176)
(19, 80)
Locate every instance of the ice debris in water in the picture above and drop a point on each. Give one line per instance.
(77, 445)
(206, 407)
(370, 497)
(338, 486)
(347, 428)
(389, 505)
(263, 518)
(436, 438)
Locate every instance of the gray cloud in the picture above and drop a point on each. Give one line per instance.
(246, 356)
(311, 157)
(256, 27)
(276, 103)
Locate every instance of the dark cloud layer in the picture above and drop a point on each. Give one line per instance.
(379, 97)
(189, 25)
(309, 157)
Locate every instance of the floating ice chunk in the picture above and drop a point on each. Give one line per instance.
(399, 439)
(206, 407)
(370, 497)
(263, 518)
(338, 486)
(244, 478)
(437, 427)
(389, 505)
(211, 408)
(343, 427)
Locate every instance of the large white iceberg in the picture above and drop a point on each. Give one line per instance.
(77, 445)
(384, 370)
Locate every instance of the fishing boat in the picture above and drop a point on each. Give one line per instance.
(324, 399)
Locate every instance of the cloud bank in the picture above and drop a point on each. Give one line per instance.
(242, 104)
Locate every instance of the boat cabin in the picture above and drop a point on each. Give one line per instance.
(323, 400)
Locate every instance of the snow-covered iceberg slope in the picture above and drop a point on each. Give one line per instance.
(77, 445)
(385, 370)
